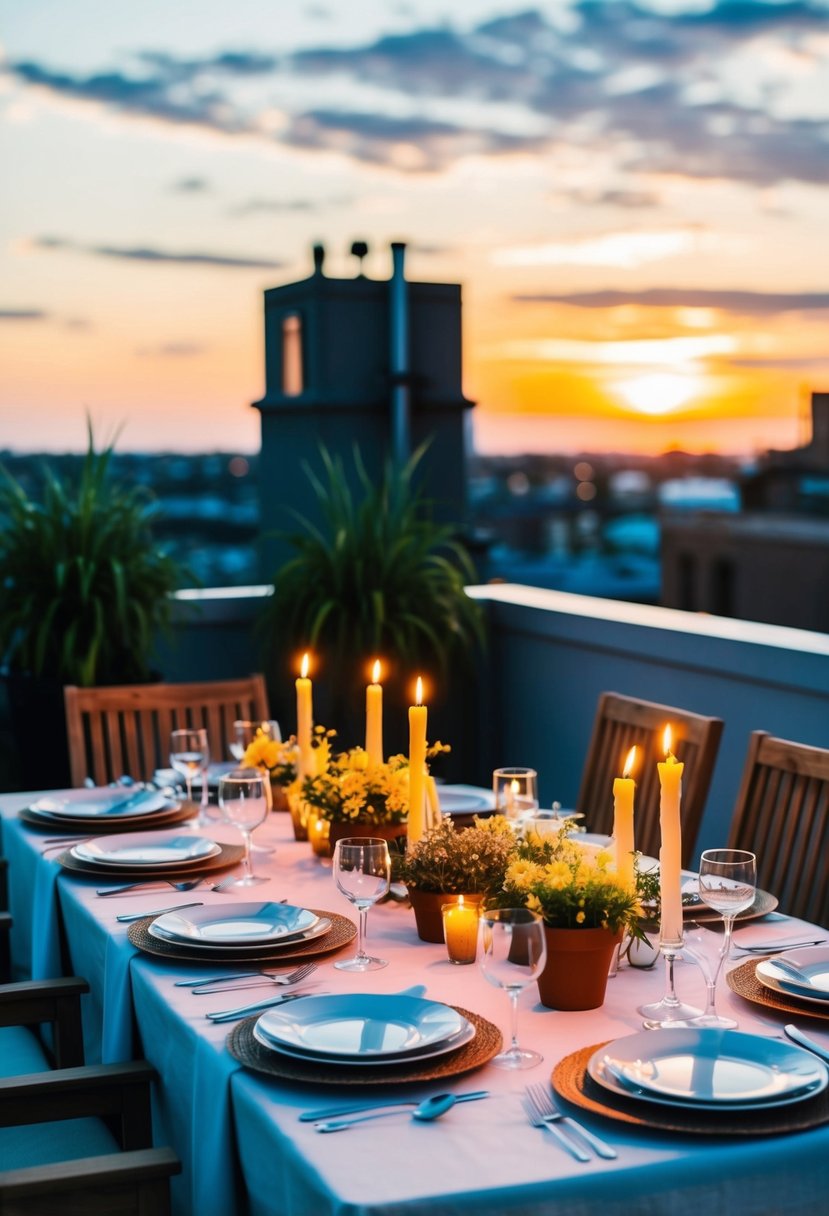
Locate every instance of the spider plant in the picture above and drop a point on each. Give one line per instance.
(85, 588)
(377, 576)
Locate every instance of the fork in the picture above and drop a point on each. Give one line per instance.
(151, 885)
(538, 1120)
(259, 979)
(547, 1110)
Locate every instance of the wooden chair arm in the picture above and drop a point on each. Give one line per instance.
(57, 1001)
(119, 1093)
(90, 1184)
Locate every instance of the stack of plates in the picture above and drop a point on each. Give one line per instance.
(813, 962)
(708, 1070)
(156, 850)
(366, 1030)
(214, 932)
(104, 809)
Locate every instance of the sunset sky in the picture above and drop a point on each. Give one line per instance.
(632, 195)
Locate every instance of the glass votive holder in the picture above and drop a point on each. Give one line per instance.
(460, 930)
(516, 791)
(318, 830)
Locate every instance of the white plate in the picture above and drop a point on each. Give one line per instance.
(708, 1068)
(245, 924)
(465, 1035)
(156, 849)
(455, 803)
(109, 803)
(169, 776)
(361, 1025)
(254, 949)
(814, 962)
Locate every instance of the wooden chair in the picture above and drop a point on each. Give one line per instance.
(74, 1139)
(782, 815)
(620, 723)
(126, 728)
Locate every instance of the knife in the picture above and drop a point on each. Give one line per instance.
(126, 917)
(231, 1015)
(803, 1040)
(333, 1112)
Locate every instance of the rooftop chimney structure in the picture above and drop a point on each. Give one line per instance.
(360, 363)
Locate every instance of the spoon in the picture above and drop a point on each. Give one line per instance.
(792, 971)
(430, 1108)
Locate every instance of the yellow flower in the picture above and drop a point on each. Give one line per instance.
(580, 918)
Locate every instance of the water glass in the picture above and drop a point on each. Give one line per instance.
(244, 732)
(244, 803)
(512, 953)
(189, 755)
(362, 872)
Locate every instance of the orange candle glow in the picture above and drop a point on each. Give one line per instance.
(417, 766)
(374, 717)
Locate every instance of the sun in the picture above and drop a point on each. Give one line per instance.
(657, 393)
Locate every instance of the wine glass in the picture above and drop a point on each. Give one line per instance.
(727, 881)
(244, 732)
(516, 792)
(190, 754)
(362, 871)
(244, 802)
(512, 953)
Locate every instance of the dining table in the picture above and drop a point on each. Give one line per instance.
(237, 1130)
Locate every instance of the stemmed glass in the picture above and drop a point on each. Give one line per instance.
(727, 881)
(362, 871)
(190, 754)
(512, 953)
(245, 732)
(244, 803)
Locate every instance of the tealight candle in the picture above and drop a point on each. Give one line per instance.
(374, 717)
(670, 853)
(460, 930)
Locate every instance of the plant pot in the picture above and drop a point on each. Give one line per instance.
(299, 816)
(427, 907)
(578, 962)
(643, 954)
(391, 832)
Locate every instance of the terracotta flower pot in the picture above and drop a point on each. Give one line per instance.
(427, 909)
(380, 831)
(299, 816)
(578, 961)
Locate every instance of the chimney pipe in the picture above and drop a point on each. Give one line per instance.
(399, 358)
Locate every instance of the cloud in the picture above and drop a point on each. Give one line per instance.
(191, 185)
(23, 314)
(273, 206)
(172, 350)
(759, 302)
(148, 254)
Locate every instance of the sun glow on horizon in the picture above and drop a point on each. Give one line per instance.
(658, 393)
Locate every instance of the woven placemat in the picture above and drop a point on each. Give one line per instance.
(228, 855)
(764, 903)
(342, 932)
(744, 982)
(571, 1082)
(101, 826)
(479, 1051)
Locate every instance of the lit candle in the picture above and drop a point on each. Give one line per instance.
(670, 853)
(417, 767)
(304, 722)
(623, 788)
(460, 931)
(374, 717)
(432, 801)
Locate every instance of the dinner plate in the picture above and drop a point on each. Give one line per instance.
(254, 947)
(708, 1069)
(102, 802)
(453, 802)
(814, 962)
(157, 849)
(357, 1026)
(243, 924)
(465, 1035)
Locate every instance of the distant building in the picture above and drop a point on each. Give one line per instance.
(360, 363)
(770, 562)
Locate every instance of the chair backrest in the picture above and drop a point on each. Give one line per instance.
(126, 728)
(782, 815)
(620, 723)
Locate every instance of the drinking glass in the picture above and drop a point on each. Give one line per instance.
(516, 791)
(512, 952)
(244, 803)
(362, 871)
(727, 881)
(190, 754)
(244, 732)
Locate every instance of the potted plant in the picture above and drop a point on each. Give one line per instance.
(277, 757)
(471, 862)
(85, 590)
(377, 576)
(585, 906)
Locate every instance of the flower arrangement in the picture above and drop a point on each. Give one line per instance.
(569, 886)
(471, 861)
(277, 756)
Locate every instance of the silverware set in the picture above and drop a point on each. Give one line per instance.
(542, 1112)
(246, 979)
(243, 1011)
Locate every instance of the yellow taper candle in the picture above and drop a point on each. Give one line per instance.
(670, 853)
(374, 717)
(304, 721)
(623, 788)
(417, 767)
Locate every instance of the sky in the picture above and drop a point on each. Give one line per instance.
(631, 194)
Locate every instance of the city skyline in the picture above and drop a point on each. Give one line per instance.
(631, 195)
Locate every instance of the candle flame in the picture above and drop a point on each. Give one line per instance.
(667, 740)
(515, 787)
(460, 901)
(419, 691)
(303, 670)
(629, 762)
(375, 672)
